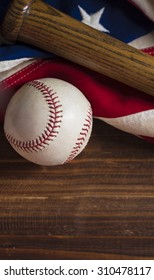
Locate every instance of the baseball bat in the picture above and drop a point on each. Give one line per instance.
(39, 24)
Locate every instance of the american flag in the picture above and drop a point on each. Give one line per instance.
(129, 21)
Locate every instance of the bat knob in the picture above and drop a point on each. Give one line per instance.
(14, 18)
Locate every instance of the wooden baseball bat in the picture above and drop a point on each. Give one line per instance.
(36, 23)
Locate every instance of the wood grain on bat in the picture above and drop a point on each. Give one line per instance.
(36, 23)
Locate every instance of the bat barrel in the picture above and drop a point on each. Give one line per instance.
(36, 23)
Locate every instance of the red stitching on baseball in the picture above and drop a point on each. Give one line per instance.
(53, 125)
(149, 50)
(82, 137)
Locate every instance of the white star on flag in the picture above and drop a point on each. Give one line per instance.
(93, 20)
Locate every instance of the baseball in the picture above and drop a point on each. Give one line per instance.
(48, 121)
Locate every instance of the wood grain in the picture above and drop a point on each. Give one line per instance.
(100, 206)
(39, 24)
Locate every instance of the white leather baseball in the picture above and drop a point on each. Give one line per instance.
(48, 121)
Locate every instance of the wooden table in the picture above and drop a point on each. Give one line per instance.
(100, 206)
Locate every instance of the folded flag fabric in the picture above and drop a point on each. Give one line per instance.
(118, 105)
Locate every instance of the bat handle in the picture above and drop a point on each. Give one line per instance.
(39, 24)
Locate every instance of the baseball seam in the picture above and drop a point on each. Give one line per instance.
(149, 50)
(83, 134)
(53, 125)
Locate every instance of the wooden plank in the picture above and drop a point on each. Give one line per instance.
(99, 206)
